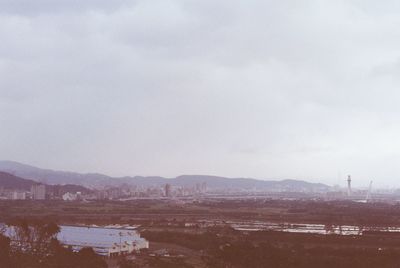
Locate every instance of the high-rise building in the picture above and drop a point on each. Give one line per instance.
(18, 195)
(38, 192)
(204, 187)
(168, 190)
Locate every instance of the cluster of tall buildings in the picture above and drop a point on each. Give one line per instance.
(52, 192)
(162, 191)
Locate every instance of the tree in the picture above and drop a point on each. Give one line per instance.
(5, 250)
(34, 237)
(123, 263)
(89, 259)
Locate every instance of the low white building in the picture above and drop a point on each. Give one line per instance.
(126, 247)
(71, 196)
(108, 242)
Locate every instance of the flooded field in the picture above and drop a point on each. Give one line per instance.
(307, 228)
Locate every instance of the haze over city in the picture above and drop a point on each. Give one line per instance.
(264, 89)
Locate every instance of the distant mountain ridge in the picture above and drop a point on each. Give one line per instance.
(48, 176)
(95, 180)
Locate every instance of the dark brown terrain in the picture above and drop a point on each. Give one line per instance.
(200, 234)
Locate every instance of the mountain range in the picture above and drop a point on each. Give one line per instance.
(95, 180)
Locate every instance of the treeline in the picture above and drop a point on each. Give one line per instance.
(34, 244)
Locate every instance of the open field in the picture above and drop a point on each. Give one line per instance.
(161, 211)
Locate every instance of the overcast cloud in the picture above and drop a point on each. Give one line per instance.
(265, 89)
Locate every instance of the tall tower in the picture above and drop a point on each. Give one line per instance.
(348, 185)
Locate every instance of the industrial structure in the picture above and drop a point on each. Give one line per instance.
(368, 198)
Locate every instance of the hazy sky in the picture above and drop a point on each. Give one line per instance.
(265, 89)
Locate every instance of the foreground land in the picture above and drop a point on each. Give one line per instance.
(199, 234)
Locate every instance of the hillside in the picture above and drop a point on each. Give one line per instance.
(11, 182)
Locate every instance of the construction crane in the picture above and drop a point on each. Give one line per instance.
(369, 192)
